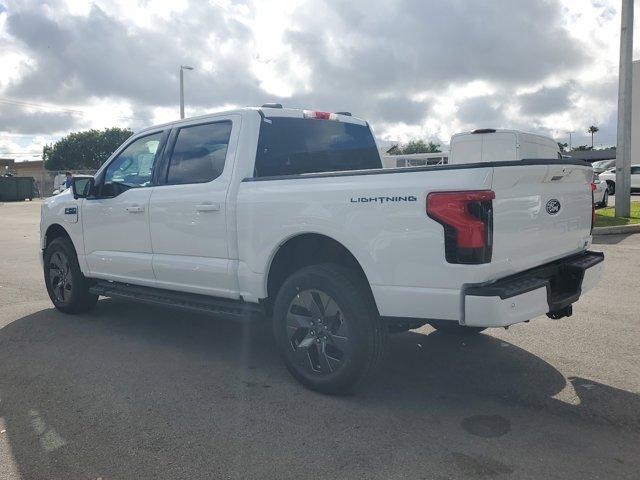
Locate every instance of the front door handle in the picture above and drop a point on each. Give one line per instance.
(134, 209)
(208, 207)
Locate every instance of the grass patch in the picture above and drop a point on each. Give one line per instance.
(605, 217)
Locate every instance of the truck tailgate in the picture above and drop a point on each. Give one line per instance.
(541, 213)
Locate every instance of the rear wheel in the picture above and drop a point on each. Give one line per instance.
(454, 328)
(68, 288)
(328, 330)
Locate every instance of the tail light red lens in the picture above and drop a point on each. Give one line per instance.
(467, 218)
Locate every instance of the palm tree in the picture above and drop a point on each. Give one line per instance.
(592, 130)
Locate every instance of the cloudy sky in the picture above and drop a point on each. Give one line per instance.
(413, 68)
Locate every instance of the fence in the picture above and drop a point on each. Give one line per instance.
(48, 181)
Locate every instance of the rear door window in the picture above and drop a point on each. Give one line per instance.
(293, 146)
(199, 153)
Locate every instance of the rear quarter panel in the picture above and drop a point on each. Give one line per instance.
(396, 243)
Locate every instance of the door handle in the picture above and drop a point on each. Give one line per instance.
(208, 207)
(134, 209)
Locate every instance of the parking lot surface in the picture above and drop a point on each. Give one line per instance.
(131, 391)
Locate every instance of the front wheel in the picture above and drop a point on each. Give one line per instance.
(454, 328)
(328, 329)
(68, 288)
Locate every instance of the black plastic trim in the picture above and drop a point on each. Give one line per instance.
(236, 309)
(427, 168)
(562, 279)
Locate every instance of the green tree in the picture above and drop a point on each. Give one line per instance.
(593, 130)
(416, 146)
(85, 150)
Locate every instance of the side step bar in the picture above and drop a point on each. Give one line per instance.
(222, 307)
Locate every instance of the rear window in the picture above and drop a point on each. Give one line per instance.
(292, 146)
(199, 153)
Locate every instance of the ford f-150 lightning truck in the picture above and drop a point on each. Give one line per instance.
(287, 214)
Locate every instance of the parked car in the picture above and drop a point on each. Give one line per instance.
(610, 178)
(600, 193)
(288, 214)
(490, 145)
(603, 165)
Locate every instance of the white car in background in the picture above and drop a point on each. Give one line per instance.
(610, 178)
(600, 193)
(603, 165)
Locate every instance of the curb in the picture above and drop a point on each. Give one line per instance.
(617, 229)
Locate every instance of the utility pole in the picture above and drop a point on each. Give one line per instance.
(570, 143)
(182, 68)
(623, 149)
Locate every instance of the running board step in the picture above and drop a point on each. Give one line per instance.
(224, 307)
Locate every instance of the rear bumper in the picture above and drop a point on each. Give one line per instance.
(550, 288)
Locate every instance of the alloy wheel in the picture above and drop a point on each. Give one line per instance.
(317, 332)
(60, 277)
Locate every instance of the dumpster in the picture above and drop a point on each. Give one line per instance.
(17, 188)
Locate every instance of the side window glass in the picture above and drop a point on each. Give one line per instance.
(132, 167)
(635, 170)
(199, 153)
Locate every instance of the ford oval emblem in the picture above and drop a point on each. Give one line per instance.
(553, 206)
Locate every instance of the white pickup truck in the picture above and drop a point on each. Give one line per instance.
(288, 214)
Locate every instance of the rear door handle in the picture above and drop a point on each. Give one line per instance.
(134, 209)
(208, 207)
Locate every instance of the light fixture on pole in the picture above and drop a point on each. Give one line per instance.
(182, 68)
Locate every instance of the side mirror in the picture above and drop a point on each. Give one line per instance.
(82, 186)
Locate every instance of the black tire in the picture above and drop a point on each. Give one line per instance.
(337, 342)
(68, 288)
(611, 187)
(454, 328)
(605, 200)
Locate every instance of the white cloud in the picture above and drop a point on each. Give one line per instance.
(413, 68)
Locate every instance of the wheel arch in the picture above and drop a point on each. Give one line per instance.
(305, 249)
(55, 230)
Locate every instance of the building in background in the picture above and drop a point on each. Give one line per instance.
(44, 178)
(592, 155)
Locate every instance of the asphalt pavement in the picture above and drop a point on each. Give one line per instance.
(136, 392)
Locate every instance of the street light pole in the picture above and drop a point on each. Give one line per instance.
(623, 149)
(182, 68)
(570, 143)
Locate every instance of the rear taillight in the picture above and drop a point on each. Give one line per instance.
(467, 218)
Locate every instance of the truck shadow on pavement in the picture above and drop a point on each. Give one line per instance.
(133, 391)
